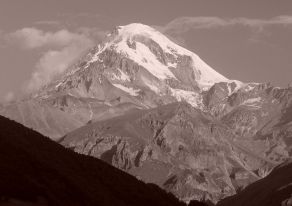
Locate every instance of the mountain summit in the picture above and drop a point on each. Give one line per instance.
(137, 58)
(140, 42)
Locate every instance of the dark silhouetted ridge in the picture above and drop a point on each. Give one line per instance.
(273, 190)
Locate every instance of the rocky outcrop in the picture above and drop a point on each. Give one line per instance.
(258, 116)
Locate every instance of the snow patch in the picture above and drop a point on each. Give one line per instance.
(189, 96)
(131, 91)
(253, 102)
(169, 64)
(95, 57)
(246, 87)
(151, 85)
(90, 111)
(249, 88)
(238, 86)
(208, 76)
(155, 67)
(70, 94)
(123, 76)
(59, 84)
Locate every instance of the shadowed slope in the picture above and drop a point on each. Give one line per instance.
(273, 190)
(37, 171)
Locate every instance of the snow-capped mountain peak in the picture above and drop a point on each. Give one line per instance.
(155, 52)
(140, 62)
(128, 32)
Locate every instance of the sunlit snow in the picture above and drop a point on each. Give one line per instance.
(155, 67)
(131, 91)
(122, 76)
(207, 76)
(189, 96)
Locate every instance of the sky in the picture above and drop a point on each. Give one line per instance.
(247, 40)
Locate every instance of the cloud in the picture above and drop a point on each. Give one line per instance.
(279, 20)
(48, 23)
(32, 38)
(60, 50)
(9, 96)
(184, 24)
(94, 33)
(55, 62)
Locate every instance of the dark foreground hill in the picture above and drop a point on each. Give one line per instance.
(37, 171)
(273, 190)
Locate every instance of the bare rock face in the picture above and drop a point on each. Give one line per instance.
(258, 115)
(175, 146)
(243, 133)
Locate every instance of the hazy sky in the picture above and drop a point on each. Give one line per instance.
(248, 40)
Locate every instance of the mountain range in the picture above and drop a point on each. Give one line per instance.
(157, 111)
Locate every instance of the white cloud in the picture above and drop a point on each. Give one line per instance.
(60, 49)
(55, 62)
(184, 24)
(9, 96)
(31, 38)
(48, 23)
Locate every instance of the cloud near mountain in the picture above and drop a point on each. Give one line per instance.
(61, 48)
(9, 96)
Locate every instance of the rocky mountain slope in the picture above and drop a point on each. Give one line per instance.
(259, 116)
(177, 147)
(273, 190)
(37, 171)
(242, 133)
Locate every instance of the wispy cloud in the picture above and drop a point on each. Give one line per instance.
(184, 24)
(9, 96)
(32, 38)
(60, 49)
(48, 22)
